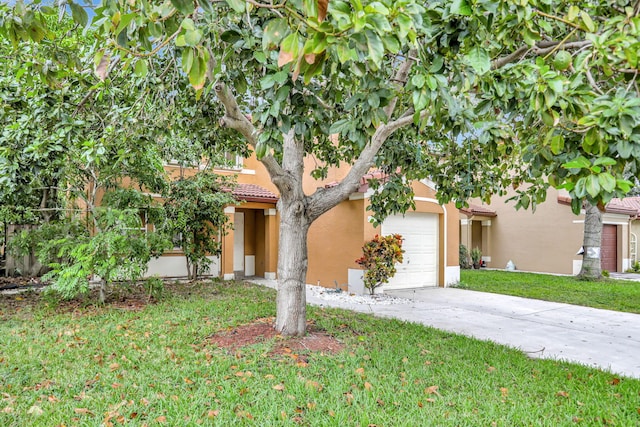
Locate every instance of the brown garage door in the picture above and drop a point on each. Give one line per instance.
(609, 251)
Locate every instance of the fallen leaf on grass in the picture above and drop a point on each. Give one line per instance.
(504, 391)
(161, 419)
(491, 369)
(432, 390)
(562, 394)
(367, 385)
(614, 381)
(82, 411)
(213, 414)
(35, 410)
(278, 387)
(7, 410)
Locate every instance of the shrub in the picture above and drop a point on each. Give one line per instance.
(379, 258)
(464, 257)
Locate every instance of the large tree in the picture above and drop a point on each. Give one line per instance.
(448, 89)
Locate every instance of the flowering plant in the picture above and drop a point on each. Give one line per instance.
(379, 258)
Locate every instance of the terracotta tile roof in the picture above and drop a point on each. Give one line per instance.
(254, 193)
(473, 210)
(627, 206)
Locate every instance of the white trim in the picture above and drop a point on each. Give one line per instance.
(486, 258)
(578, 221)
(429, 183)
(464, 222)
(577, 266)
(451, 275)
(228, 276)
(615, 219)
(230, 209)
(486, 223)
(270, 212)
(356, 196)
(270, 275)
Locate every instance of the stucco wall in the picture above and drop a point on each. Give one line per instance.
(544, 241)
(335, 242)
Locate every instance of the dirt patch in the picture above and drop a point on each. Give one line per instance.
(261, 330)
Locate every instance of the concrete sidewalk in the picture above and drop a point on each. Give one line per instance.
(604, 339)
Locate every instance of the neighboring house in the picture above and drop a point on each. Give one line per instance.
(335, 239)
(550, 239)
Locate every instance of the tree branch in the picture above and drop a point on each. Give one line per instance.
(539, 49)
(235, 119)
(326, 198)
(400, 80)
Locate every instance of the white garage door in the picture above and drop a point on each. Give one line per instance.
(420, 265)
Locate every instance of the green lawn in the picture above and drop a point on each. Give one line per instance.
(85, 366)
(619, 295)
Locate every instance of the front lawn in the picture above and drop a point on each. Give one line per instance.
(155, 365)
(610, 294)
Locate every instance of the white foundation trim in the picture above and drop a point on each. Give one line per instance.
(577, 265)
(249, 265)
(451, 275)
(270, 275)
(229, 276)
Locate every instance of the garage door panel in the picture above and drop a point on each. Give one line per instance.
(420, 265)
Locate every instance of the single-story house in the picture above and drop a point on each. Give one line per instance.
(548, 240)
(335, 240)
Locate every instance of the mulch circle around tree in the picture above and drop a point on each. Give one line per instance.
(261, 330)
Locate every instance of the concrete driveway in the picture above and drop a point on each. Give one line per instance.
(604, 339)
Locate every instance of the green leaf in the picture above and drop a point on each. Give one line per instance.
(377, 7)
(237, 5)
(607, 181)
(124, 22)
(184, 6)
(588, 22)
(141, 68)
(187, 60)
(79, 15)
(580, 189)
(375, 46)
(274, 32)
(624, 149)
(192, 38)
(418, 81)
(592, 185)
(420, 99)
(206, 6)
(479, 60)
(577, 163)
(604, 161)
(461, 7)
(624, 185)
(557, 144)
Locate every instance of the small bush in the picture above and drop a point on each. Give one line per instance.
(464, 257)
(379, 258)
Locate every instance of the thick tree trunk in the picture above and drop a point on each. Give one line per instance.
(591, 268)
(291, 303)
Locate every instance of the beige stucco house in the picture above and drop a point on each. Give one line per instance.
(431, 234)
(550, 239)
